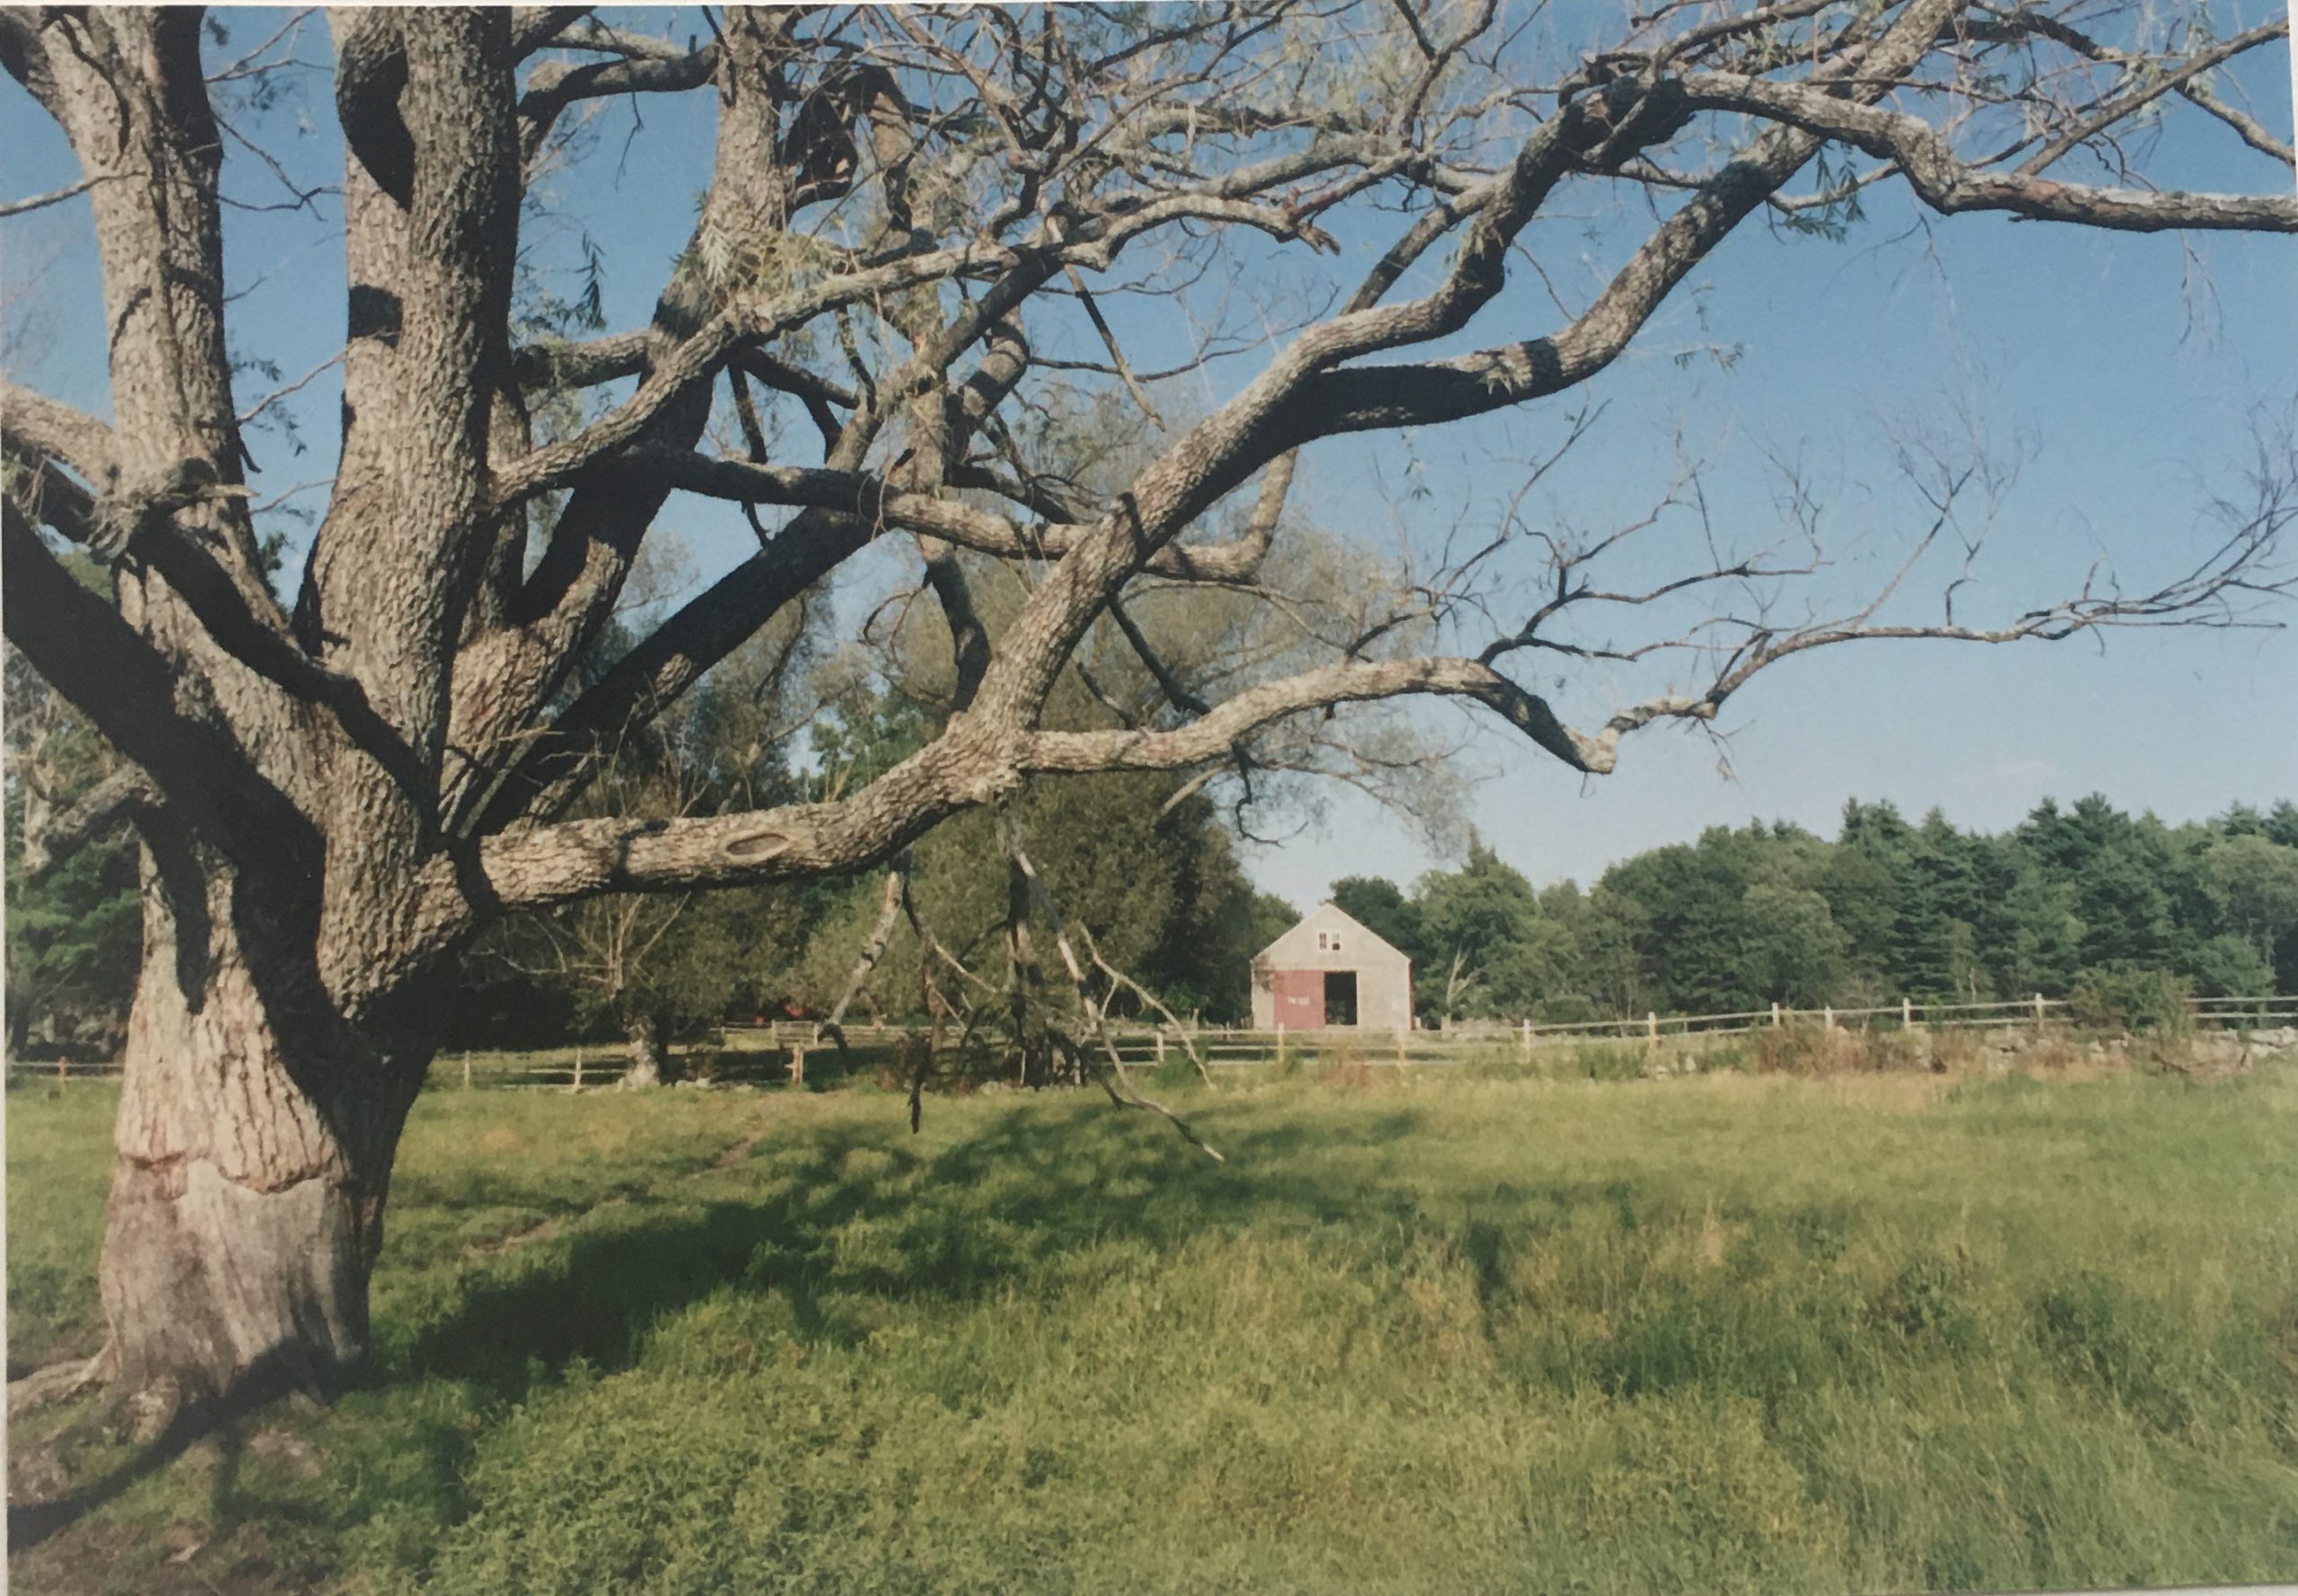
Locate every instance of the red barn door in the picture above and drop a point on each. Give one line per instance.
(1300, 998)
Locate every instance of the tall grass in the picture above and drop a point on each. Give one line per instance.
(1728, 1333)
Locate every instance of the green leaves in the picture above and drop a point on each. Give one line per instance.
(2087, 900)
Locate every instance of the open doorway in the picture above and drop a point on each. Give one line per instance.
(1341, 997)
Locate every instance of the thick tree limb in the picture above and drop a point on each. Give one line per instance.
(119, 682)
(871, 500)
(116, 798)
(537, 27)
(370, 71)
(25, 56)
(850, 493)
(1209, 737)
(38, 424)
(1360, 398)
(1948, 186)
(764, 317)
(594, 35)
(966, 765)
(584, 364)
(663, 665)
(244, 625)
(551, 88)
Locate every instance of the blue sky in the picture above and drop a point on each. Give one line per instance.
(2128, 365)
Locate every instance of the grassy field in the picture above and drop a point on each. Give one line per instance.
(1714, 1334)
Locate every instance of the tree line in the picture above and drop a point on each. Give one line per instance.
(2085, 901)
(2085, 897)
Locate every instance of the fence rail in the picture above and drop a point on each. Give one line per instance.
(785, 1041)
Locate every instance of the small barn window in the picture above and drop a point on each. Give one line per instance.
(1327, 942)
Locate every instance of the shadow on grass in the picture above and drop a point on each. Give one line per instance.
(219, 1419)
(956, 1224)
(838, 1220)
(1024, 1189)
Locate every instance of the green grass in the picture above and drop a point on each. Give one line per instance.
(1715, 1333)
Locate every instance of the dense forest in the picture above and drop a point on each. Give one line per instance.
(2080, 900)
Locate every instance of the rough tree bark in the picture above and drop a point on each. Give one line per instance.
(254, 1147)
(335, 797)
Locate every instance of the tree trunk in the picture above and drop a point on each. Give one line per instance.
(648, 1066)
(254, 1143)
(1452, 990)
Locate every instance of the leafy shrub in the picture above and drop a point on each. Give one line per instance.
(2127, 997)
(1609, 1061)
(1895, 1050)
(1954, 1049)
(2098, 1329)
(1927, 1298)
(1801, 1050)
(2050, 1047)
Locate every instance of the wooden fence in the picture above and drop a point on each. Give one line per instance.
(1141, 1045)
(766, 1051)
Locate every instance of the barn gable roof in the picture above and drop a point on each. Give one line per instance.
(1328, 915)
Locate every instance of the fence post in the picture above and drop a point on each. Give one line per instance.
(1775, 1015)
(1280, 1044)
(578, 1068)
(1528, 1042)
(1652, 1031)
(1827, 1017)
(466, 1069)
(1161, 1045)
(2039, 1008)
(797, 1064)
(1907, 1016)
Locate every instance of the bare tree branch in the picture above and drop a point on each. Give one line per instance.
(19, 207)
(1949, 187)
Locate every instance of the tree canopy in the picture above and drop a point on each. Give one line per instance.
(1770, 912)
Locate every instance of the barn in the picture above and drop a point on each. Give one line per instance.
(1329, 971)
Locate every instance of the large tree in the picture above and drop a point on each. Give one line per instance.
(334, 796)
